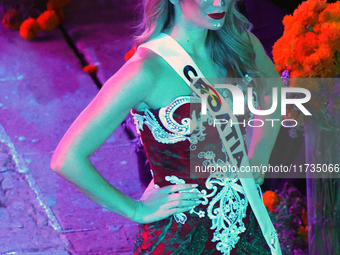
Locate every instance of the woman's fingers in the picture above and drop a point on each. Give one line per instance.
(163, 202)
(181, 203)
(178, 210)
(178, 187)
(184, 195)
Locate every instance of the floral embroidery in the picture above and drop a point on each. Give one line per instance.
(181, 217)
(158, 132)
(167, 119)
(198, 133)
(218, 165)
(226, 209)
(223, 197)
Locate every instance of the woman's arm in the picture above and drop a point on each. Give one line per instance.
(129, 86)
(263, 138)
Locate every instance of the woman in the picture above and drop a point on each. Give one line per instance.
(175, 210)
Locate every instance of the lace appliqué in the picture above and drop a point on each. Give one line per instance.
(212, 165)
(198, 132)
(177, 131)
(167, 119)
(157, 131)
(226, 209)
(181, 217)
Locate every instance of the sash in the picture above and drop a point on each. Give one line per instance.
(166, 47)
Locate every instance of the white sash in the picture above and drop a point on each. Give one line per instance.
(166, 47)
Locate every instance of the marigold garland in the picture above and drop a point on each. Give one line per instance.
(90, 69)
(29, 29)
(12, 19)
(130, 53)
(270, 200)
(47, 21)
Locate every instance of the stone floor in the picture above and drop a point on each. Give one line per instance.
(43, 89)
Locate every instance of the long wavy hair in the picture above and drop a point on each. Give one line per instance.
(230, 46)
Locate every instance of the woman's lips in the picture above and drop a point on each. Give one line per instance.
(216, 15)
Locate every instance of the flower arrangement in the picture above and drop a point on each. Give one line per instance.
(270, 200)
(310, 48)
(29, 27)
(310, 45)
(287, 211)
(130, 53)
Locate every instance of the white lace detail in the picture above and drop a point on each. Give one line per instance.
(226, 209)
(179, 132)
(191, 129)
(181, 217)
(210, 161)
(157, 131)
(198, 132)
(167, 119)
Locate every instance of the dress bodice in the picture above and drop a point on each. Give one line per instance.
(177, 140)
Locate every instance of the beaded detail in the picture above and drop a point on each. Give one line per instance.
(157, 131)
(175, 132)
(226, 209)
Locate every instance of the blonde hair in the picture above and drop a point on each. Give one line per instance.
(230, 46)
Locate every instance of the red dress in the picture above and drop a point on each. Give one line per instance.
(224, 223)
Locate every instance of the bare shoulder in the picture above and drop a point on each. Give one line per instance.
(137, 76)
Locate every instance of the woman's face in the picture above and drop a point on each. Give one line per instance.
(209, 14)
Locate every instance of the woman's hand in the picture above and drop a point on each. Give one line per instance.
(258, 176)
(159, 203)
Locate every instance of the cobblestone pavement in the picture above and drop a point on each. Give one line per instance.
(42, 90)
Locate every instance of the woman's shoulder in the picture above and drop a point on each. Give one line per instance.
(137, 78)
(145, 63)
(140, 72)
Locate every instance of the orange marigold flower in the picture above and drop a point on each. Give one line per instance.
(130, 53)
(270, 200)
(302, 231)
(12, 19)
(48, 20)
(90, 69)
(287, 21)
(29, 29)
(331, 13)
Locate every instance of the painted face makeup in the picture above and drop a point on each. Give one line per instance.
(218, 15)
(209, 14)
